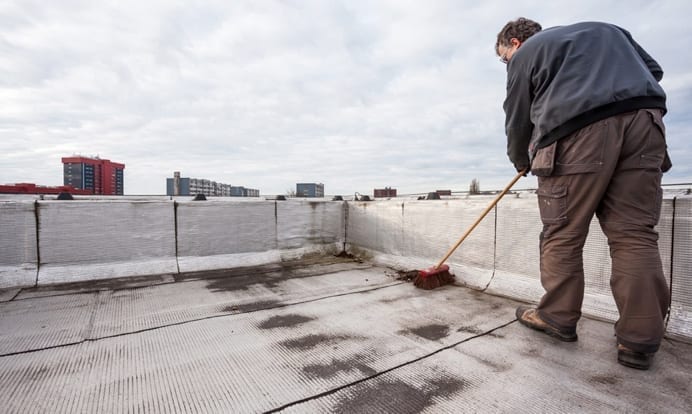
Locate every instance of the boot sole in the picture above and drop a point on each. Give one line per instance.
(634, 360)
(546, 330)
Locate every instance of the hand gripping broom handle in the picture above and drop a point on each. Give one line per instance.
(478, 220)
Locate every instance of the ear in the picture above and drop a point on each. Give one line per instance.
(515, 42)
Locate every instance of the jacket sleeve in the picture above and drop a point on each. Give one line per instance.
(518, 126)
(650, 62)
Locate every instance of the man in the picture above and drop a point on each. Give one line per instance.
(584, 113)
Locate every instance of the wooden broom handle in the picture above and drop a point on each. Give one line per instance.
(478, 220)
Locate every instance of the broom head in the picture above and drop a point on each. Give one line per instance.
(433, 277)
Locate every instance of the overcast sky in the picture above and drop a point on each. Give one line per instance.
(264, 94)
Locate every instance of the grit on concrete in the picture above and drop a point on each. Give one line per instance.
(317, 335)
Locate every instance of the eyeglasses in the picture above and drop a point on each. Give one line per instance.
(512, 46)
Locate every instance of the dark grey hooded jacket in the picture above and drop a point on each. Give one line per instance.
(564, 78)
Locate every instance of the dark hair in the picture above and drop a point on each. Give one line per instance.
(521, 29)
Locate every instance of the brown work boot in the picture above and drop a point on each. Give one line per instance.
(634, 359)
(529, 317)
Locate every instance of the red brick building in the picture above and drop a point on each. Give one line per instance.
(387, 192)
(97, 175)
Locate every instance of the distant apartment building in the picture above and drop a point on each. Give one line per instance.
(244, 192)
(185, 186)
(387, 192)
(97, 175)
(309, 190)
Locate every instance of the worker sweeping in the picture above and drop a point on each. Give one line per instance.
(584, 113)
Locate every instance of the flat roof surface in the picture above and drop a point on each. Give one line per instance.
(322, 334)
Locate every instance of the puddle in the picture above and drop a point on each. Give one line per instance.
(470, 329)
(245, 282)
(252, 307)
(311, 341)
(605, 379)
(432, 332)
(398, 396)
(89, 286)
(230, 284)
(284, 321)
(336, 366)
(270, 276)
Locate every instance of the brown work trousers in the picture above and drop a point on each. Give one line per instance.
(612, 168)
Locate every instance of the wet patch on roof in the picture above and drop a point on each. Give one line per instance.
(317, 259)
(479, 295)
(345, 255)
(432, 332)
(311, 341)
(605, 379)
(446, 385)
(387, 395)
(251, 307)
(400, 297)
(406, 275)
(335, 366)
(89, 286)
(387, 301)
(270, 277)
(243, 283)
(470, 329)
(227, 273)
(231, 284)
(284, 321)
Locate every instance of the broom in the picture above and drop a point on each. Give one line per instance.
(439, 275)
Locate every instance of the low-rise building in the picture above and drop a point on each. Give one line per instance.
(309, 190)
(31, 188)
(185, 186)
(387, 192)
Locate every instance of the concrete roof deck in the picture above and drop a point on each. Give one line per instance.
(320, 334)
